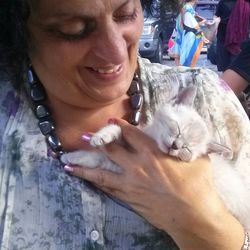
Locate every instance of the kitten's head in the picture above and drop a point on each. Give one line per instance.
(181, 131)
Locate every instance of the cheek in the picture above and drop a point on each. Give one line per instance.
(54, 67)
(52, 52)
(54, 56)
(138, 29)
(133, 44)
(133, 33)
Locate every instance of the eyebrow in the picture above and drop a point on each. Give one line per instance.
(67, 14)
(61, 14)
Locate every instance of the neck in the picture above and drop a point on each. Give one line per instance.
(88, 118)
(64, 123)
(74, 121)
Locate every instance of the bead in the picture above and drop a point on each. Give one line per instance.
(41, 111)
(54, 142)
(51, 153)
(37, 93)
(55, 154)
(46, 127)
(134, 88)
(136, 77)
(136, 101)
(136, 116)
(94, 235)
(31, 76)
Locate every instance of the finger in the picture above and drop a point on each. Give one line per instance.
(136, 138)
(100, 177)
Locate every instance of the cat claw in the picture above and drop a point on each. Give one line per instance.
(97, 141)
(106, 135)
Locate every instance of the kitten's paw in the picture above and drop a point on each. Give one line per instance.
(73, 158)
(84, 158)
(106, 135)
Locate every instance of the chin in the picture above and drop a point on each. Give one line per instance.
(111, 95)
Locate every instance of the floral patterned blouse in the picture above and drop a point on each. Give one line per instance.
(43, 208)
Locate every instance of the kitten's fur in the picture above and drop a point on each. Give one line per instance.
(181, 132)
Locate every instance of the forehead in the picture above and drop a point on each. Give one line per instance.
(87, 7)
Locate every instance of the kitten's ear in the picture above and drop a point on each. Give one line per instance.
(186, 96)
(214, 147)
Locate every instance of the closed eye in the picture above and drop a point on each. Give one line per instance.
(72, 32)
(124, 18)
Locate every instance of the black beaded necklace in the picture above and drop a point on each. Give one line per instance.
(46, 124)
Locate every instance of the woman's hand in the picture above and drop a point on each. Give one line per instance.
(174, 196)
(205, 40)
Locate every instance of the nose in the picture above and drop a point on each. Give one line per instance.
(111, 45)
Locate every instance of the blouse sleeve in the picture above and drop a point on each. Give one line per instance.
(190, 21)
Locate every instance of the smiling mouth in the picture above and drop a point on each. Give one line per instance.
(111, 70)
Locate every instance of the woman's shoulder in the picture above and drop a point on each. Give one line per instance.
(188, 8)
(168, 81)
(159, 82)
(213, 94)
(9, 103)
(154, 76)
(162, 83)
(9, 98)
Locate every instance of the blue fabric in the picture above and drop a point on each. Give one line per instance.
(190, 45)
(187, 45)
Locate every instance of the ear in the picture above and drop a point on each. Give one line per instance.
(214, 147)
(186, 96)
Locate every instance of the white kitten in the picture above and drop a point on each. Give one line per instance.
(180, 132)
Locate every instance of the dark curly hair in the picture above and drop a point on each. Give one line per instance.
(14, 36)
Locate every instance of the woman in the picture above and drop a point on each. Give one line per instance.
(233, 29)
(189, 37)
(80, 57)
(237, 76)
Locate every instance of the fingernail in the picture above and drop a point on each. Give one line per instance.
(112, 121)
(86, 137)
(68, 169)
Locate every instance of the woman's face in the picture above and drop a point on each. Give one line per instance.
(85, 51)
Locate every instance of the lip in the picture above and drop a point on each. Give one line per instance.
(108, 70)
(106, 73)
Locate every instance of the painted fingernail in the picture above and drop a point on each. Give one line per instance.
(112, 121)
(68, 169)
(86, 137)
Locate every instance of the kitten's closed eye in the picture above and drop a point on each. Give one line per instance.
(177, 143)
